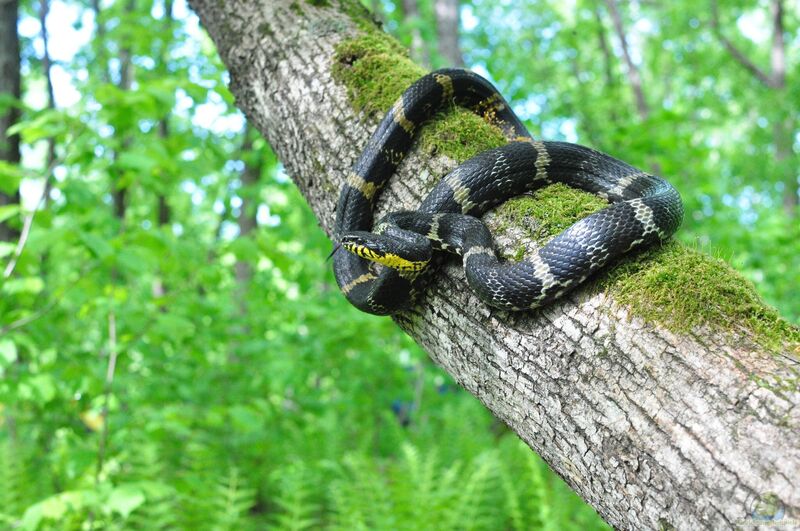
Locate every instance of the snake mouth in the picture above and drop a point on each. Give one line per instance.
(378, 249)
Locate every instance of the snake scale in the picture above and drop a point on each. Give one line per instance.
(643, 208)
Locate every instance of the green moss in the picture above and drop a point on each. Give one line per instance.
(673, 285)
(548, 211)
(376, 70)
(360, 15)
(319, 3)
(682, 288)
(296, 9)
(265, 29)
(460, 134)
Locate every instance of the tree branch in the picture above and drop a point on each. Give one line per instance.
(27, 223)
(634, 77)
(740, 57)
(654, 426)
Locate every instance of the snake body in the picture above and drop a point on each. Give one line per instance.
(643, 208)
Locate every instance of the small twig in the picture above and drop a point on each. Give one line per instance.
(737, 54)
(112, 365)
(28, 223)
(634, 76)
(24, 321)
(19, 323)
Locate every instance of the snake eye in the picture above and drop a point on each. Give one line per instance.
(386, 250)
(363, 245)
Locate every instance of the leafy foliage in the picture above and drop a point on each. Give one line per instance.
(164, 364)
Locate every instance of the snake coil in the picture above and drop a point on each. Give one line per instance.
(643, 208)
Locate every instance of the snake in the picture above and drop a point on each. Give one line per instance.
(381, 267)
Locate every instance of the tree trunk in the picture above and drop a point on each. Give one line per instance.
(447, 20)
(9, 86)
(125, 82)
(247, 219)
(163, 213)
(47, 67)
(654, 427)
(419, 49)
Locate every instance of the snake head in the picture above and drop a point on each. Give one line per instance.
(401, 250)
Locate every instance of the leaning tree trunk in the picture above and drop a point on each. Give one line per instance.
(654, 425)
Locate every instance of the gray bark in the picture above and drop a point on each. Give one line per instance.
(653, 428)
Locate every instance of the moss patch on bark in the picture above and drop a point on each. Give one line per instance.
(376, 70)
(547, 211)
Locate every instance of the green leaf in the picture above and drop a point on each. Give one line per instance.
(8, 211)
(8, 352)
(97, 245)
(6, 248)
(23, 285)
(47, 124)
(137, 161)
(10, 176)
(56, 508)
(125, 499)
(41, 387)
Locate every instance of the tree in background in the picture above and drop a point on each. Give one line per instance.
(447, 30)
(784, 120)
(10, 92)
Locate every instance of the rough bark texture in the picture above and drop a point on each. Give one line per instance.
(654, 429)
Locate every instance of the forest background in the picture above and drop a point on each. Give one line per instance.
(173, 350)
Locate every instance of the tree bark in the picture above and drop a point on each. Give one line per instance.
(654, 428)
(9, 86)
(126, 70)
(164, 214)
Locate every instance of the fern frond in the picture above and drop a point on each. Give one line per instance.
(231, 500)
(297, 508)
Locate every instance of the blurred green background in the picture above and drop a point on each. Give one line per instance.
(173, 351)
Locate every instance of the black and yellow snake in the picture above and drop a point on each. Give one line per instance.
(643, 208)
